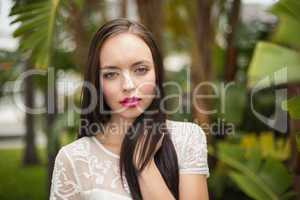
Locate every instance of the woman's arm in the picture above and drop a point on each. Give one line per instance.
(193, 187)
(194, 171)
(153, 185)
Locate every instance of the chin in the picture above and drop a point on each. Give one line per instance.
(131, 113)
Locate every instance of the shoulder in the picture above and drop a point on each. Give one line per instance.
(190, 144)
(65, 183)
(77, 148)
(186, 125)
(182, 132)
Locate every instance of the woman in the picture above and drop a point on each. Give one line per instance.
(126, 148)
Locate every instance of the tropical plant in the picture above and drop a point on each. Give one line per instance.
(254, 164)
(276, 63)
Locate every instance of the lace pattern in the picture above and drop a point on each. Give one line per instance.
(64, 186)
(82, 167)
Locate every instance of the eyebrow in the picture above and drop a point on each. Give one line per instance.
(134, 64)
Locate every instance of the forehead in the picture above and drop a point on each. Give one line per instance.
(124, 49)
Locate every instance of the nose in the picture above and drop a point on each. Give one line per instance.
(128, 83)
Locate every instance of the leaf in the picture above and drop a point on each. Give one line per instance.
(287, 32)
(248, 186)
(28, 8)
(33, 39)
(273, 65)
(31, 26)
(275, 175)
(288, 8)
(240, 166)
(37, 30)
(289, 195)
(257, 177)
(32, 14)
(254, 159)
(292, 106)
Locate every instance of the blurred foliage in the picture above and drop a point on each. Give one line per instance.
(287, 32)
(267, 144)
(273, 65)
(254, 164)
(37, 29)
(292, 106)
(269, 59)
(234, 103)
(177, 103)
(289, 8)
(10, 68)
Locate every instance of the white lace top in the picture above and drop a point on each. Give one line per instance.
(86, 170)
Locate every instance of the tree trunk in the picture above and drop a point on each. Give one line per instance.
(30, 156)
(201, 104)
(152, 16)
(202, 67)
(231, 57)
(52, 139)
(76, 23)
(80, 34)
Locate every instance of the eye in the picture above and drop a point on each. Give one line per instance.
(142, 70)
(110, 75)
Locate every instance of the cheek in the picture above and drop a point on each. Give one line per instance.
(147, 88)
(148, 85)
(110, 91)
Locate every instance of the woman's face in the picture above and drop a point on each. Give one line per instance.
(127, 70)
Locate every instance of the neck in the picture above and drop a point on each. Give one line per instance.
(115, 130)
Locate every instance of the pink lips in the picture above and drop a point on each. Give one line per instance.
(130, 101)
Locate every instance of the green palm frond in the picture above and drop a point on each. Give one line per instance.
(37, 29)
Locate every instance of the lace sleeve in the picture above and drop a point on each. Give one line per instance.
(64, 185)
(194, 154)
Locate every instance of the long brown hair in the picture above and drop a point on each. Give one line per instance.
(165, 158)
